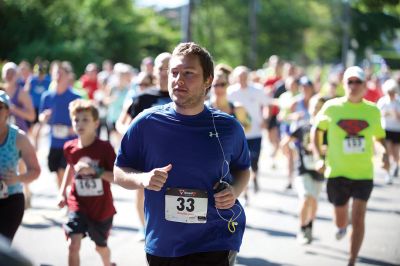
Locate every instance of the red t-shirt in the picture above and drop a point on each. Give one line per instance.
(99, 154)
(90, 85)
(269, 87)
(373, 94)
(271, 81)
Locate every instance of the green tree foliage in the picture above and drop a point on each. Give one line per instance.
(378, 5)
(374, 23)
(322, 40)
(157, 33)
(81, 31)
(295, 30)
(281, 26)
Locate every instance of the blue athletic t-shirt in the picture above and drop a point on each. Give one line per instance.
(58, 103)
(37, 88)
(160, 136)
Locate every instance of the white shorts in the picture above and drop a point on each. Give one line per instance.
(307, 186)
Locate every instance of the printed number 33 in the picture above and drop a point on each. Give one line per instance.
(189, 202)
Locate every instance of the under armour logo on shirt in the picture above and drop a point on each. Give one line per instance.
(213, 134)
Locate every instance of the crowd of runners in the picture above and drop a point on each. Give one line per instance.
(186, 135)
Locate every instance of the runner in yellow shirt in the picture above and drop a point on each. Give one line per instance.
(351, 124)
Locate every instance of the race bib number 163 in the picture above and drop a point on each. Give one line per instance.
(87, 187)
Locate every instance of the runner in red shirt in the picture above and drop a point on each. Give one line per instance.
(89, 172)
(89, 79)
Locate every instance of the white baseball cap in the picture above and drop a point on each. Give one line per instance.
(6, 67)
(354, 72)
(390, 85)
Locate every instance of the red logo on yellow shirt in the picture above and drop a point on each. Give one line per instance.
(352, 126)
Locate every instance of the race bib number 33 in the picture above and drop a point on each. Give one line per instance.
(186, 205)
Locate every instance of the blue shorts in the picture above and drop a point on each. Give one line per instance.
(284, 129)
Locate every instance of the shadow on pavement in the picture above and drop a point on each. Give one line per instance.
(123, 199)
(38, 208)
(381, 199)
(318, 253)
(376, 185)
(49, 222)
(361, 259)
(285, 193)
(271, 232)
(44, 195)
(326, 247)
(396, 212)
(286, 213)
(275, 211)
(124, 228)
(255, 262)
(375, 262)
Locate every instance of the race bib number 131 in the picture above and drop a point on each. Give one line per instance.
(186, 205)
(354, 144)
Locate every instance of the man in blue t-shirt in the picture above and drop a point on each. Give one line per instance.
(193, 162)
(53, 110)
(37, 86)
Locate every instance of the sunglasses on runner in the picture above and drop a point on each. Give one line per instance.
(144, 84)
(220, 84)
(357, 81)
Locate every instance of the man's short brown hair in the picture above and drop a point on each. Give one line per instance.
(206, 61)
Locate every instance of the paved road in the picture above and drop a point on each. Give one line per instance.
(269, 238)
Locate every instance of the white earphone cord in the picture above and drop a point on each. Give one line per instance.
(224, 174)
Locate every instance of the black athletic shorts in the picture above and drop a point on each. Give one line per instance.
(98, 231)
(341, 189)
(392, 136)
(254, 148)
(12, 210)
(272, 122)
(215, 258)
(56, 159)
(31, 124)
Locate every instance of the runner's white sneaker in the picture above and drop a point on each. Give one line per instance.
(396, 171)
(140, 235)
(304, 237)
(301, 238)
(388, 179)
(309, 235)
(341, 233)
